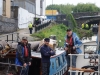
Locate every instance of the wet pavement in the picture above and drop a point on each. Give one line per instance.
(21, 32)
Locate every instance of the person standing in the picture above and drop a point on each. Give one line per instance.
(23, 56)
(46, 53)
(72, 46)
(30, 26)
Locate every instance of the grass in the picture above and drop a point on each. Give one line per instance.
(58, 30)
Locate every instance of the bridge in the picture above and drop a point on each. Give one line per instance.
(87, 18)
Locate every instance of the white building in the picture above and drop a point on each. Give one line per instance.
(28, 9)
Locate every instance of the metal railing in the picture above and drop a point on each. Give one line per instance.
(39, 27)
(11, 37)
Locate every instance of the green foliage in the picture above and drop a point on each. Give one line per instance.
(68, 8)
(64, 9)
(88, 7)
(74, 24)
(84, 33)
(58, 30)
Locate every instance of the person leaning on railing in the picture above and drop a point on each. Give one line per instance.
(72, 46)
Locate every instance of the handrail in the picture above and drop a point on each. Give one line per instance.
(11, 37)
(41, 26)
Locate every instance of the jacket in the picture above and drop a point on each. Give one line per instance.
(46, 53)
(30, 25)
(77, 42)
(20, 58)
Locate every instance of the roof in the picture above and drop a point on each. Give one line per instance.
(51, 12)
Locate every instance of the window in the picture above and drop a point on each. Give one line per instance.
(52, 65)
(57, 62)
(61, 59)
(89, 49)
(65, 69)
(4, 7)
(61, 73)
(58, 73)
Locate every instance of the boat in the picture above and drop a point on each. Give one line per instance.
(58, 62)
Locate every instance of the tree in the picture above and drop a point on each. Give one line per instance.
(88, 7)
(68, 8)
(63, 9)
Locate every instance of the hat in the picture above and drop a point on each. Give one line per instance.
(47, 39)
(68, 29)
(24, 38)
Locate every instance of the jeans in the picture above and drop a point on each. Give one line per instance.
(30, 29)
(25, 70)
(45, 68)
(73, 60)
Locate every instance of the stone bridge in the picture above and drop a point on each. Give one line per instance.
(87, 17)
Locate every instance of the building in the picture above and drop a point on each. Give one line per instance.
(5, 8)
(27, 11)
(23, 10)
(33, 6)
(51, 14)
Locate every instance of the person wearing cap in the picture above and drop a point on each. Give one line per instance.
(72, 46)
(46, 53)
(23, 56)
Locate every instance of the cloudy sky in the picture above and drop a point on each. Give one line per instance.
(48, 2)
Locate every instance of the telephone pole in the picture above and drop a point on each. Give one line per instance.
(52, 10)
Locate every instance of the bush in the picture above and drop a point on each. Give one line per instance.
(58, 30)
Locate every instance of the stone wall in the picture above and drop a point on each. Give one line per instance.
(8, 25)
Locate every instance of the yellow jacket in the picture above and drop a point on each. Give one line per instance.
(82, 26)
(30, 25)
(87, 26)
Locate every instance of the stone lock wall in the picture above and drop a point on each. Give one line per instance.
(8, 25)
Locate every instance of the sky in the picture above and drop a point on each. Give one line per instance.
(74, 2)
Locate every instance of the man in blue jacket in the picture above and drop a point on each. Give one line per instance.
(72, 46)
(23, 56)
(46, 53)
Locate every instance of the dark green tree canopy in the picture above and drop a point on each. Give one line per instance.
(69, 8)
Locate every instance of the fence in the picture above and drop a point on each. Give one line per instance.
(12, 37)
(39, 27)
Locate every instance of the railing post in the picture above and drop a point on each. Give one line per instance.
(7, 37)
(12, 37)
(17, 36)
(35, 28)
